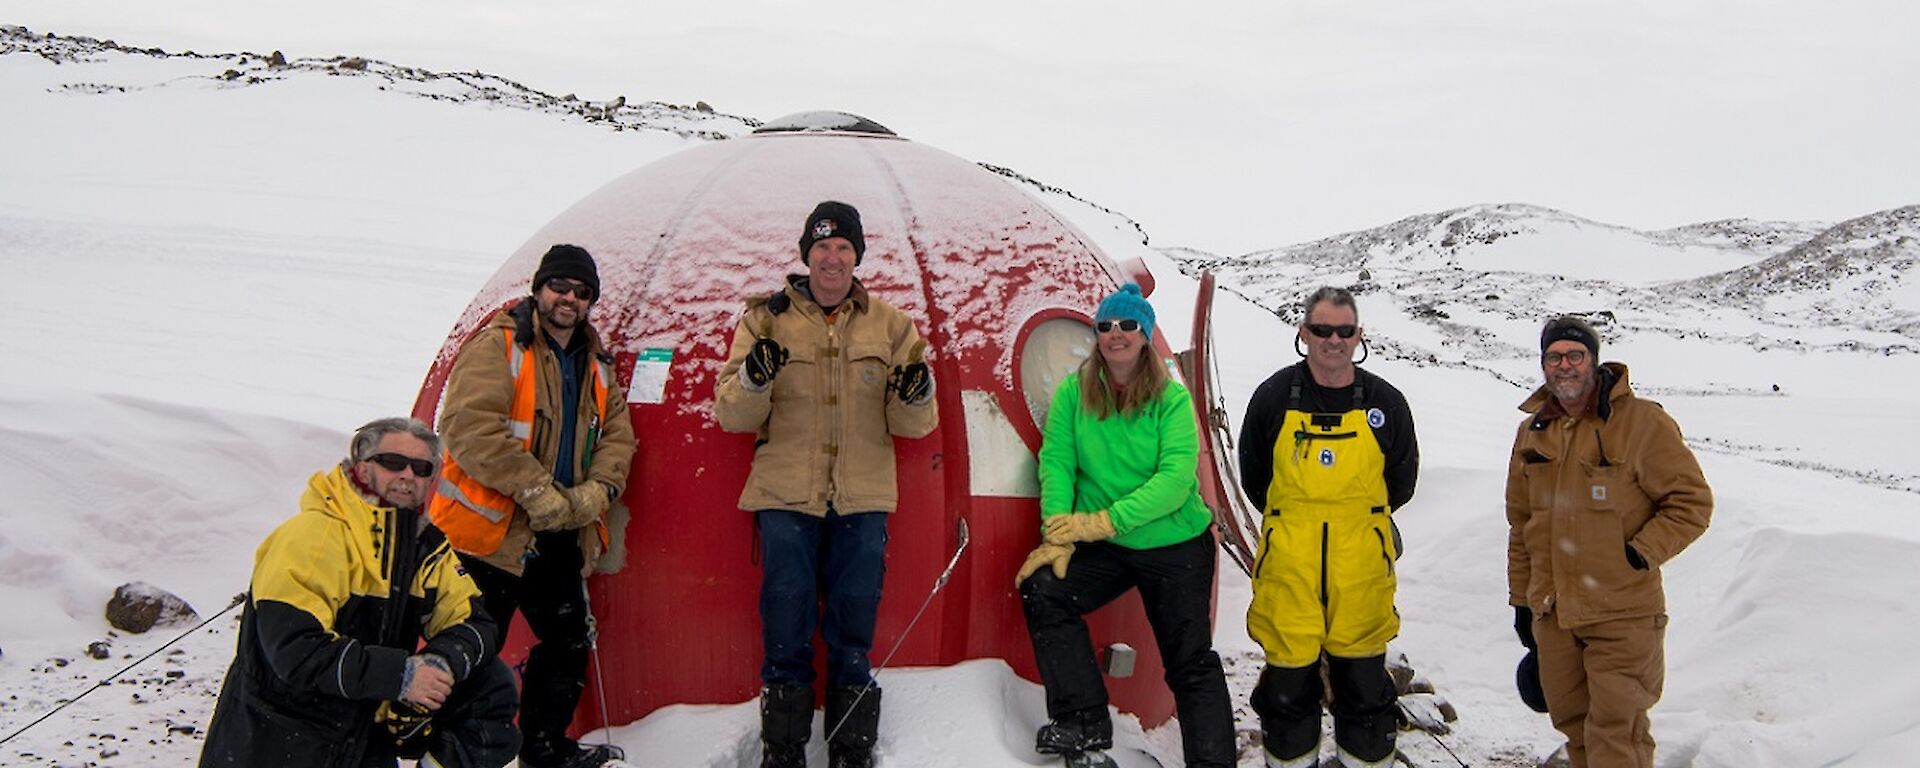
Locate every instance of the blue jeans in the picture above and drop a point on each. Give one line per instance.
(826, 572)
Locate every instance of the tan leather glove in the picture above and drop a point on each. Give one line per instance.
(589, 501)
(547, 507)
(1078, 526)
(1055, 555)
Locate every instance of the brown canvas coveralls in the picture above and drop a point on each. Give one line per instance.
(1580, 491)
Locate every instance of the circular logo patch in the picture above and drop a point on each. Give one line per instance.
(1326, 457)
(1376, 418)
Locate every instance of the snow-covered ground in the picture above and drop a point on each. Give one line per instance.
(220, 280)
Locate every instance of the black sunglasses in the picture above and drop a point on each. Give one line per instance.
(1323, 330)
(395, 462)
(562, 285)
(1126, 325)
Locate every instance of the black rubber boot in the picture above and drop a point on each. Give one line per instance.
(786, 722)
(852, 746)
(1287, 699)
(1077, 731)
(550, 691)
(1365, 719)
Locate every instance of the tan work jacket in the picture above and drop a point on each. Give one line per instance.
(1581, 489)
(827, 419)
(473, 423)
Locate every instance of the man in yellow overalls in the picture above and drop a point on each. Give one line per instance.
(1328, 452)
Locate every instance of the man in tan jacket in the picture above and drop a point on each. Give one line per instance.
(826, 375)
(1601, 491)
(538, 448)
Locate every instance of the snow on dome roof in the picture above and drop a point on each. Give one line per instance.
(824, 120)
(681, 243)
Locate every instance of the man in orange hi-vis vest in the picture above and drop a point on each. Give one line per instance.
(538, 448)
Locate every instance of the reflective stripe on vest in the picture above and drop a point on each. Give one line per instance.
(474, 517)
(520, 416)
(452, 492)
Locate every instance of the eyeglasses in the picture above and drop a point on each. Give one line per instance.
(395, 462)
(1323, 330)
(564, 286)
(1126, 325)
(1573, 357)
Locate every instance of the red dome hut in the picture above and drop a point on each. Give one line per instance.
(1000, 285)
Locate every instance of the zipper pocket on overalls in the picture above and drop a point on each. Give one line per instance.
(1385, 554)
(1303, 441)
(1266, 548)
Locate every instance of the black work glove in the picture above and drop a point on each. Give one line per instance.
(764, 362)
(912, 382)
(1523, 626)
(1634, 559)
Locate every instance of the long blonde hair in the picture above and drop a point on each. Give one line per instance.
(1096, 387)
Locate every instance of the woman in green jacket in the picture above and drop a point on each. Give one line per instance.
(1120, 508)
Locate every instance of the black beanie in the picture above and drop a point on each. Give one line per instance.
(1526, 677)
(568, 261)
(833, 219)
(1570, 328)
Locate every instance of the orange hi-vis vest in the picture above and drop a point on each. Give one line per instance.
(475, 517)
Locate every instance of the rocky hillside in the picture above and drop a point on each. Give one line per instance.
(1475, 279)
(249, 69)
(1861, 270)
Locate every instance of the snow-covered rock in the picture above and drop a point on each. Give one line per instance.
(138, 606)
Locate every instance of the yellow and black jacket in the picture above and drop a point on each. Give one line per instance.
(1327, 467)
(342, 593)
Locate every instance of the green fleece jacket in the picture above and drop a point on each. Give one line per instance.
(1139, 467)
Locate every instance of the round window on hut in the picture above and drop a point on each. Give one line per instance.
(1054, 348)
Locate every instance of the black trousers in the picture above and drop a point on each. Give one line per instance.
(474, 729)
(552, 595)
(1176, 588)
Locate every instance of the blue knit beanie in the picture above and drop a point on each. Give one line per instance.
(1127, 304)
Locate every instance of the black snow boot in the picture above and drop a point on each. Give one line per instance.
(858, 718)
(550, 691)
(1076, 731)
(786, 722)
(1365, 719)
(1287, 699)
(568, 753)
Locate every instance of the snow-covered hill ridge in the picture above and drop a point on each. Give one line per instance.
(246, 69)
(1861, 268)
(230, 70)
(1511, 236)
(1470, 283)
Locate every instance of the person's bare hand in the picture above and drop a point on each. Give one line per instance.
(430, 683)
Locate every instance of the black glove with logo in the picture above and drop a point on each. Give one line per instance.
(913, 382)
(763, 363)
(1523, 626)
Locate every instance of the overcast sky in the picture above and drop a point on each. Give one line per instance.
(1313, 118)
